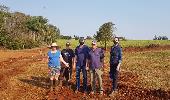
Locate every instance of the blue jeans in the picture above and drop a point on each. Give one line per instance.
(78, 70)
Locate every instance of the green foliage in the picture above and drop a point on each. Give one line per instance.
(89, 38)
(36, 23)
(65, 37)
(160, 38)
(20, 31)
(4, 8)
(76, 37)
(105, 33)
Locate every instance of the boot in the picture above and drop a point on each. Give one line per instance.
(60, 83)
(51, 85)
(67, 83)
(56, 85)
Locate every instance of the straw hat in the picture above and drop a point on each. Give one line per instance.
(53, 45)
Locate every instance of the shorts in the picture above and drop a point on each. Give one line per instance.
(54, 71)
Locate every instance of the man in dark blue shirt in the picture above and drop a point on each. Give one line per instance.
(81, 55)
(115, 62)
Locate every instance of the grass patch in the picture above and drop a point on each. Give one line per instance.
(128, 43)
(152, 67)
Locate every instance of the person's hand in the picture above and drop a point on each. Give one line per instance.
(118, 67)
(87, 68)
(67, 64)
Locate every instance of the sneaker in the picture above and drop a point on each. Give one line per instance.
(113, 94)
(76, 91)
(101, 92)
(85, 93)
(69, 80)
(92, 93)
(51, 89)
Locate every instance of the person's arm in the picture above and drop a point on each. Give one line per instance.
(62, 60)
(74, 62)
(102, 57)
(120, 58)
(87, 58)
(88, 61)
(87, 64)
(75, 59)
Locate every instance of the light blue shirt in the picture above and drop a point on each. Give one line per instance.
(54, 59)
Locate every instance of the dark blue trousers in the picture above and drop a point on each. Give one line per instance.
(114, 76)
(78, 70)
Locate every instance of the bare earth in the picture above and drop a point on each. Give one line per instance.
(24, 76)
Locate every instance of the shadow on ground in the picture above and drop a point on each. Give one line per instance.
(42, 82)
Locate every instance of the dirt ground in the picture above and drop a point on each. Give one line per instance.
(24, 76)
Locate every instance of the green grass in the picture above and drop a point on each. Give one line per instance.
(143, 43)
(128, 43)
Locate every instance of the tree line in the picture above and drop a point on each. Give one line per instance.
(20, 31)
(160, 38)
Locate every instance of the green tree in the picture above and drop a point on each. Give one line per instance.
(20, 31)
(105, 33)
(37, 24)
(52, 33)
(4, 8)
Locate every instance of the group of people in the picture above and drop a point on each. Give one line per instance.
(83, 59)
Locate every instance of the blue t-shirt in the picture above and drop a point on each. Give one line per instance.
(54, 59)
(82, 55)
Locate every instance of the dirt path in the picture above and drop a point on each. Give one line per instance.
(25, 77)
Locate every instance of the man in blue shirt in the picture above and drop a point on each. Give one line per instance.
(81, 55)
(96, 56)
(115, 62)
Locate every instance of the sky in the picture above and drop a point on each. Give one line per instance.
(134, 19)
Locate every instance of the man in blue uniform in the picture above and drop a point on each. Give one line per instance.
(115, 62)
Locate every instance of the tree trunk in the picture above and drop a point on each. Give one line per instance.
(105, 44)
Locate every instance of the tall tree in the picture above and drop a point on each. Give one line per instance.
(37, 24)
(105, 33)
(19, 31)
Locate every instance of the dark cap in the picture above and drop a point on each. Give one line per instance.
(68, 43)
(81, 40)
(94, 42)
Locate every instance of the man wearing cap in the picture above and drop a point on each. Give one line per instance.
(68, 56)
(95, 60)
(54, 59)
(115, 62)
(81, 55)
